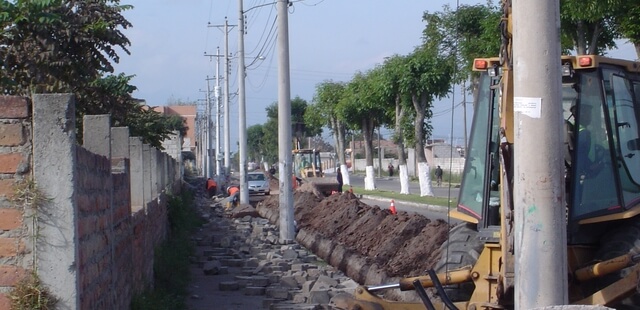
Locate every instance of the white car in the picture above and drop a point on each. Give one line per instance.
(258, 183)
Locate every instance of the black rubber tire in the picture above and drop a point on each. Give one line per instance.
(623, 239)
(464, 248)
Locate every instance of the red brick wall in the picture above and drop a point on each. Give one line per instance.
(115, 246)
(15, 151)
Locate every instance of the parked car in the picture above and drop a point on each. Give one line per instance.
(258, 183)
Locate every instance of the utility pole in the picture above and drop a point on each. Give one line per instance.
(287, 228)
(226, 133)
(207, 166)
(539, 189)
(216, 92)
(242, 113)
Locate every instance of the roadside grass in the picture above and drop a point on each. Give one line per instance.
(436, 201)
(171, 259)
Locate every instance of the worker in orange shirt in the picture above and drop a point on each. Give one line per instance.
(234, 192)
(212, 186)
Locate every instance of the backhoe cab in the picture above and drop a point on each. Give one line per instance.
(307, 167)
(601, 104)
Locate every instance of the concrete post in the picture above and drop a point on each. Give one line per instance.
(153, 169)
(287, 229)
(227, 137)
(96, 134)
(136, 172)
(146, 173)
(242, 113)
(540, 228)
(54, 159)
(119, 148)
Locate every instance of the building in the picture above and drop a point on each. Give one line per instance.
(188, 112)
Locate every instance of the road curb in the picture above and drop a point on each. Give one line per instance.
(434, 208)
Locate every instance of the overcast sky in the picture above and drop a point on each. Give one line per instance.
(329, 40)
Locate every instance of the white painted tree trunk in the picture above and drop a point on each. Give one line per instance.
(369, 179)
(345, 175)
(404, 179)
(425, 180)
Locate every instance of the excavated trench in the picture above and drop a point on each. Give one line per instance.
(367, 243)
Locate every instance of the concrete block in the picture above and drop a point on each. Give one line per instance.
(289, 281)
(289, 254)
(243, 281)
(260, 281)
(331, 282)
(253, 291)
(319, 297)
(300, 298)
(280, 293)
(348, 285)
(229, 286)
(306, 286)
(299, 267)
(274, 277)
(252, 262)
(211, 268)
(267, 302)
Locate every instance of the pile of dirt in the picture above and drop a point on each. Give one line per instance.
(402, 245)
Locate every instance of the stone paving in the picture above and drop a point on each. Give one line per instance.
(240, 265)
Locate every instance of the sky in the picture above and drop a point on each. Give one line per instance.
(328, 40)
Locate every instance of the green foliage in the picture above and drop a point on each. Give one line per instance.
(468, 32)
(268, 144)
(69, 46)
(59, 45)
(589, 24)
(171, 260)
(255, 134)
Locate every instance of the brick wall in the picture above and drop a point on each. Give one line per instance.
(15, 152)
(94, 252)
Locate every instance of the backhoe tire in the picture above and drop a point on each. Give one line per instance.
(623, 239)
(461, 249)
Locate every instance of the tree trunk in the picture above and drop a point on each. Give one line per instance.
(398, 139)
(593, 45)
(581, 44)
(637, 45)
(424, 176)
(343, 162)
(367, 133)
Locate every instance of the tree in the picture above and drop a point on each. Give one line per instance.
(400, 107)
(70, 46)
(254, 147)
(363, 107)
(58, 45)
(323, 113)
(269, 142)
(427, 77)
(627, 21)
(469, 32)
(589, 24)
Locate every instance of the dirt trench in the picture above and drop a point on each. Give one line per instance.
(367, 243)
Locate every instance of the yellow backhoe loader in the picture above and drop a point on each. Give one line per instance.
(601, 104)
(307, 167)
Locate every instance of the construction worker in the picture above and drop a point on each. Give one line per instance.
(211, 187)
(233, 191)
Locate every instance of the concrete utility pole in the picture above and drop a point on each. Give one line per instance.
(216, 93)
(287, 228)
(242, 112)
(208, 170)
(540, 228)
(226, 133)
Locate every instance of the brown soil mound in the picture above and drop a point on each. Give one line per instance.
(402, 245)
